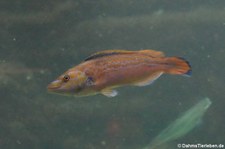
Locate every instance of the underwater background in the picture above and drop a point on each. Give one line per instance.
(39, 40)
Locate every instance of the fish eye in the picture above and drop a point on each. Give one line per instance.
(66, 78)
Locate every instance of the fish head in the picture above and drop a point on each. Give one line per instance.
(69, 83)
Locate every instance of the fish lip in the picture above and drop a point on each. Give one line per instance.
(53, 86)
(52, 89)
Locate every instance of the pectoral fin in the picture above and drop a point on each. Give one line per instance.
(109, 92)
(149, 80)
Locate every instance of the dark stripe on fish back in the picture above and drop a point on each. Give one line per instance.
(99, 55)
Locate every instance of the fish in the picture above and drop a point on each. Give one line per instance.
(102, 72)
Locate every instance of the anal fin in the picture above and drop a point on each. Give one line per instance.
(149, 80)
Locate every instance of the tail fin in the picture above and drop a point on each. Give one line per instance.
(178, 66)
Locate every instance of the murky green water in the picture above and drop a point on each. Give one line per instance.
(40, 40)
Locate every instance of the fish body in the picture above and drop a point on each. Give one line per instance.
(106, 70)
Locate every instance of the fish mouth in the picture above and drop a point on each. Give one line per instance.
(54, 86)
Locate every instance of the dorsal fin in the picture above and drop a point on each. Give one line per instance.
(107, 53)
(152, 53)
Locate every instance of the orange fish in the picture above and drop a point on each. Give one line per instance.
(104, 71)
